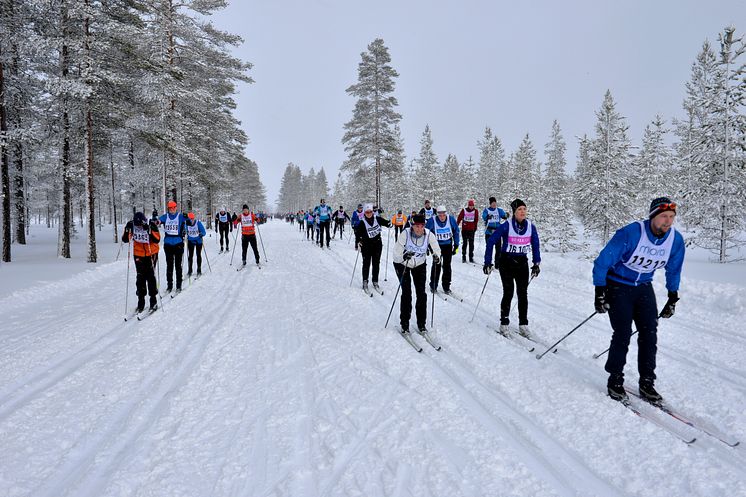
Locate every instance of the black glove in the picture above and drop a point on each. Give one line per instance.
(600, 303)
(407, 255)
(670, 306)
(436, 259)
(487, 268)
(535, 270)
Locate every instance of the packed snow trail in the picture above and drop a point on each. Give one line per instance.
(283, 381)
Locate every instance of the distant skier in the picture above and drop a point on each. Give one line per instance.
(174, 225)
(340, 216)
(324, 213)
(427, 211)
(515, 237)
(410, 263)
(248, 223)
(409, 222)
(493, 216)
(368, 239)
(446, 232)
(623, 274)
(145, 239)
(195, 233)
(223, 225)
(356, 216)
(399, 220)
(469, 222)
(309, 225)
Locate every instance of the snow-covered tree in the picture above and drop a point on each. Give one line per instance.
(525, 181)
(429, 174)
(493, 169)
(453, 194)
(653, 167)
(557, 228)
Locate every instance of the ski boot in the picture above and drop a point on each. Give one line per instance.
(365, 286)
(615, 388)
(376, 287)
(524, 331)
(140, 307)
(648, 392)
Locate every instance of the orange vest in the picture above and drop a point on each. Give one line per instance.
(399, 219)
(141, 245)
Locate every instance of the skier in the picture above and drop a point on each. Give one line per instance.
(174, 225)
(324, 213)
(195, 233)
(409, 222)
(300, 217)
(223, 225)
(368, 240)
(398, 220)
(340, 216)
(446, 232)
(515, 238)
(248, 230)
(427, 211)
(467, 218)
(493, 216)
(410, 263)
(309, 225)
(145, 239)
(356, 216)
(623, 274)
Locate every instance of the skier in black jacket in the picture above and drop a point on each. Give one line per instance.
(368, 239)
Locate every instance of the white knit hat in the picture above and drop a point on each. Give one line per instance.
(368, 207)
(441, 208)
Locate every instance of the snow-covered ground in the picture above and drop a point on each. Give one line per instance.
(284, 382)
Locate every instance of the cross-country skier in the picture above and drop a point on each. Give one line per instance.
(399, 220)
(248, 222)
(409, 222)
(515, 237)
(410, 263)
(324, 213)
(356, 216)
(427, 211)
(493, 216)
(469, 222)
(340, 216)
(446, 232)
(623, 275)
(195, 233)
(174, 225)
(145, 238)
(309, 225)
(223, 225)
(368, 239)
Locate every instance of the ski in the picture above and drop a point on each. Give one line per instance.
(686, 438)
(146, 313)
(408, 337)
(710, 431)
(529, 347)
(175, 293)
(378, 290)
(130, 316)
(439, 294)
(430, 340)
(456, 297)
(240, 268)
(367, 292)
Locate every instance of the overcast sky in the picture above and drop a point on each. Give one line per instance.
(463, 65)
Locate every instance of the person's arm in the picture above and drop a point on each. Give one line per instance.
(456, 232)
(384, 222)
(611, 254)
(535, 252)
(502, 213)
(434, 245)
(202, 231)
(460, 217)
(127, 234)
(155, 234)
(675, 263)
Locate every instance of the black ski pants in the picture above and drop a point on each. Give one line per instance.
(419, 276)
(339, 225)
(628, 304)
(224, 228)
(372, 255)
(514, 277)
(174, 257)
(324, 228)
(444, 269)
(245, 241)
(190, 255)
(397, 230)
(309, 230)
(146, 282)
(468, 242)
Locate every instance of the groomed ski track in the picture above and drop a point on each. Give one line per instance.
(283, 382)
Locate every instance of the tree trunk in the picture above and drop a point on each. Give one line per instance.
(5, 168)
(20, 199)
(66, 221)
(113, 193)
(90, 188)
(131, 157)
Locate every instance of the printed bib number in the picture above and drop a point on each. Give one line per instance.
(140, 235)
(193, 231)
(172, 226)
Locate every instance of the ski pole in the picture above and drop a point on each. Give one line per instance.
(204, 247)
(596, 356)
(512, 308)
(260, 241)
(396, 295)
(158, 283)
(235, 237)
(480, 297)
(432, 288)
(118, 251)
(127, 287)
(386, 271)
(539, 356)
(355, 266)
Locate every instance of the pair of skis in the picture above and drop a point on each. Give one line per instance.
(528, 342)
(370, 293)
(140, 315)
(243, 266)
(426, 335)
(446, 295)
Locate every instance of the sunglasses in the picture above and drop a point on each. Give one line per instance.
(666, 207)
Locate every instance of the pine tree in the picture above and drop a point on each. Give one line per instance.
(653, 167)
(557, 228)
(493, 170)
(370, 136)
(428, 173)
(526, 178)
(453, 196)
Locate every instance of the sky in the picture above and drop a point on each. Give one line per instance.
(463, 65)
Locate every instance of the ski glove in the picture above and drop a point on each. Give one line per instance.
(670, 306)
(487, 269)
(407, 255)
(436, 259)
(600, 303)
(535, 270)
(455, 249)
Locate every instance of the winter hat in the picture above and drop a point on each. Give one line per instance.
(359, 206)
(222, 209)
(245, 207)
(139, 219)
(427, 201)
(418, 219)
(399, 211)
(493, 199)
(441, 208)
(191, 216)
(661, 204)
(340, 207)
(515, 204)
(470, 203)
(171, 204)
(368, 207)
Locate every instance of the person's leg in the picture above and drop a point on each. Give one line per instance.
(621, 311)
(178, 262)
(521, 281)
(645, 316)
(376, 260)
(446, 256)
(190, 256)
(199, 259)
(170, 251)
(252, 241)
(405, 309)
(506, 277)
(244, 247)
(419, 276)
(141, 281)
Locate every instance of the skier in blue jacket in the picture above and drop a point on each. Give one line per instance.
(356, 216)
(446, 231)
(174, 226)
(623, 274)
(493, 216)
(515, 237)
(324, 213)
(195, 232)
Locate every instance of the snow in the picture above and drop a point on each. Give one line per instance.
(284, 382)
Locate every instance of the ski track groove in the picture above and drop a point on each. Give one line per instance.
(88, 475)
